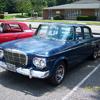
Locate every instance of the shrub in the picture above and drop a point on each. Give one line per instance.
(1, 16)
(29, 14)
(87, 18)
(58, 17)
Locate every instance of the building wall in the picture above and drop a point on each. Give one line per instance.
(70, 14)
(88, 12)
(45, 14)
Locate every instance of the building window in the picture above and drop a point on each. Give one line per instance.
(58, 12)
(72, 14)
(97, 12)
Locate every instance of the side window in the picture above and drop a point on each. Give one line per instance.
(79, 35)
(5, 27)
(67, 33)
(87, 32)
(14, 26)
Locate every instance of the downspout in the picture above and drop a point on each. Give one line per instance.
(99, 13)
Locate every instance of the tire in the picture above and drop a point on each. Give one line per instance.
(98, 53)
(95, 54)
(58, 75)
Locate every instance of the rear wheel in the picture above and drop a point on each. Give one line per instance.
(95, 54)
(59, 74)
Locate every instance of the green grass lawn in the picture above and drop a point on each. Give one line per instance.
(10, 17)
(14, 16)
(70, 22)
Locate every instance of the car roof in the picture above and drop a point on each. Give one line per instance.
(58, 23)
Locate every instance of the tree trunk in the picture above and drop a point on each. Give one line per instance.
(22, 13)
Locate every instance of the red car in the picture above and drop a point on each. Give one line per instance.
(14, 30)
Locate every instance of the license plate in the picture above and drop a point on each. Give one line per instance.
(11, 67)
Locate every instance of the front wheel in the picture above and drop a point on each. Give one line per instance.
(59, 74)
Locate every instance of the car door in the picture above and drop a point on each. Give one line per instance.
(88, 40)
(20, 33)
(80, 46)
(4, 37)
(78, 51)
(24, 35)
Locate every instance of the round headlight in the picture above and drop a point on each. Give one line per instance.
(1, 54)
(39, 62)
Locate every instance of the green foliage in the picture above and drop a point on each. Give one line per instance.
(38, 5)
(23, 6)
(51, 3)
(59, 2)
(59, 17)
(7, 6)
(2, 6)
(87, 18)
(10, 6)
(28, 6)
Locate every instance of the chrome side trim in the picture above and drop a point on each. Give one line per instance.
(69, 49)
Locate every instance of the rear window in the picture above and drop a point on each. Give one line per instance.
(87, 32)
(79, 35)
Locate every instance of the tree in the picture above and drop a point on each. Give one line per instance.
(51, 3)
(23, 6)
(38, 5)
(10, 6)
(2, 6)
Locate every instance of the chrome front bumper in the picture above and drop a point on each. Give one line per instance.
(27, 72)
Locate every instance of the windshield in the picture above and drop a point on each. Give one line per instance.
(55, 32)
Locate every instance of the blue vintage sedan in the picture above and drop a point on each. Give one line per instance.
(55, 48)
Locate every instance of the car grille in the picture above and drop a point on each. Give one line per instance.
(18, 59)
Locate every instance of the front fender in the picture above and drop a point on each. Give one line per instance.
(57, 62)
(60, 59)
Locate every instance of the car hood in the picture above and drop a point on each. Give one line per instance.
(37, 46)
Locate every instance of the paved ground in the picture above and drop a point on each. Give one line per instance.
(16, 87)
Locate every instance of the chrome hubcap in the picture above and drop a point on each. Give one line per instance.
(99, 53)
(60, 73)
(95, 55)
